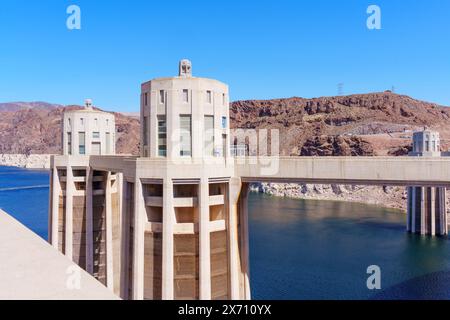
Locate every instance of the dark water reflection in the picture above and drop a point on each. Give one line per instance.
(321, 250)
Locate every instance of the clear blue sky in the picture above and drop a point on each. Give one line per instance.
(262, 49)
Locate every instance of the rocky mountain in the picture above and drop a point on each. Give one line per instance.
(357, 125)
(363, 124)
(324, 146)
(17, 106)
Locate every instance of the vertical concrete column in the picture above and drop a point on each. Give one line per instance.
(75, 136)
(56, 189)
(198, 123)
(143, 111)
(408, 209)
(204, 239)
(120, 195)
(413, 210)
(69, 212)
(138, 243)
(125, 243)
(88, 128)
(153, 125)
(50, 204)
(109, 227)
(173, 127)
(422, 211)
(433, 211)
(233, 238)
(442, 213)
(167, 241)
(444, 219)
(89, 222)
(245, 240)
(217, 123)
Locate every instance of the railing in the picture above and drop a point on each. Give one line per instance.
(239, 150)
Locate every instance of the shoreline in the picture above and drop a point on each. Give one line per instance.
(32, 161)
(400, 211)
(383, 197)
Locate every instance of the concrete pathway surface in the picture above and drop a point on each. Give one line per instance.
(31, 269)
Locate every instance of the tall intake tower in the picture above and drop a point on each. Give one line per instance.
(84, 210)
(169, 224)
(185, 229)
(426, 205)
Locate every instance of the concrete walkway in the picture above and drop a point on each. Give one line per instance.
(31, 269)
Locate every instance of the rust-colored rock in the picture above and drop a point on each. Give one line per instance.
(336, 146)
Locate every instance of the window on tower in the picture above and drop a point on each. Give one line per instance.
(208, 96)
(82, 143)
(69, 143)
(145, 129)
(224, 122)
(162, 96)
(185, 95)
(185, 135)
(209, 136)
(162, 136)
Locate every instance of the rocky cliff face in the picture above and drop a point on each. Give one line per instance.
(336, 146)
(365, 124)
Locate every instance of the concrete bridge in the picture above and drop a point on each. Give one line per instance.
(390, 171)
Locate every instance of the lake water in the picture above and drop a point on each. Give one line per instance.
(24, 195)
(300, 249)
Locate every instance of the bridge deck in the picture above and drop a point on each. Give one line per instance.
(399, 171)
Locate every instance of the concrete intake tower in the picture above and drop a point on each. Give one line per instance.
(170, 224)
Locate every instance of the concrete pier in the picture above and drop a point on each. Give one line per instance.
(427, 213)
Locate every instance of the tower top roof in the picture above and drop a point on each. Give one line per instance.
(88, 104)
(185, 68)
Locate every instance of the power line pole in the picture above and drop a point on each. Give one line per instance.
(340, 88)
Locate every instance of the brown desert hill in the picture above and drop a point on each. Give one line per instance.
(38, 131)
(356, 125)
(16, 106)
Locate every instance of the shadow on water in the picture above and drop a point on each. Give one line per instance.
(435, 286)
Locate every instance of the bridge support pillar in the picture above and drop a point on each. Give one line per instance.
(427, 211)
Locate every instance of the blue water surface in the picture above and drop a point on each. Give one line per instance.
(24, 195)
